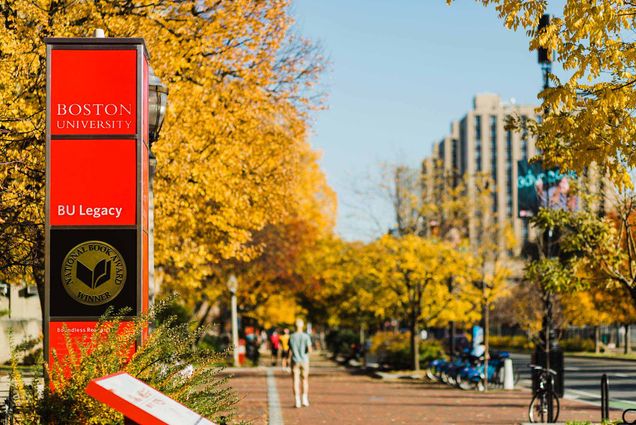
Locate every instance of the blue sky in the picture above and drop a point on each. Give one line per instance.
(400, 72)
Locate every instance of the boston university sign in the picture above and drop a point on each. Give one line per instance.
(97, 183)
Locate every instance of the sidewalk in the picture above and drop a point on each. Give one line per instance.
(339, 396)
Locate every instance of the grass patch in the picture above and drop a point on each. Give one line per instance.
(630, 356)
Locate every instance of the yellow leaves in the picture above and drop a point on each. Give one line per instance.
(598, 306)
(591, 118)
(233, 159)
(429, 273)
(277, 310)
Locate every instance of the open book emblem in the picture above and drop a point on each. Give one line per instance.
(93, 278)
(93, 273)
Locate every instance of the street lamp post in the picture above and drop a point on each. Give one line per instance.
(550, 347)
(232, 285)
(157, 103)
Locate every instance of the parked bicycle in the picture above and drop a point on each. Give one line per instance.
(468, 372)
(7, 408)
(538, 410)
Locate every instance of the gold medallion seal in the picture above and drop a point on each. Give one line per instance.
(93, 273)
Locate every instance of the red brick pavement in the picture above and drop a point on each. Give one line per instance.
(251, 386)
(342, 397)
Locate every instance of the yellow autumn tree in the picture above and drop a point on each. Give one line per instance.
(234, 138)
(588, 308)
(589, 111)
(423, 282)
(275, 273)
(335, 287)
(448, 210)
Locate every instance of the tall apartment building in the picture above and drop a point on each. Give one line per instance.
(478, 143)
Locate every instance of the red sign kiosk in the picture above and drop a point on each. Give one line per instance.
(97, 183)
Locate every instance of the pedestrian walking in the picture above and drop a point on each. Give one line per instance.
(284, 346)
(253, 344)
(299, 349)
(274, 341)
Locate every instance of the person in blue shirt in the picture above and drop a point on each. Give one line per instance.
(299, 349)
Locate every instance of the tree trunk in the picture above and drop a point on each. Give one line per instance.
(361, 335)
(486, 335)
(414, 343)
(628, 343)
(39, 282)
(451, 344)
(415, 351)
(597, 339)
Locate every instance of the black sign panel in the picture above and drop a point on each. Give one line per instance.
(92, 269)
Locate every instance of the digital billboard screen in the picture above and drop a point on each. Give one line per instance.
(539, 188)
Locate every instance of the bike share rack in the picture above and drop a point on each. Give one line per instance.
(625, 420)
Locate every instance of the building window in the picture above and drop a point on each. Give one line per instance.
(478, 154)
(478, 127)
(524, 137)
(463, 150)
(454, 154)
(493, 148)
(509, 173)
(509, 141)
(478, 142)
(454, 161)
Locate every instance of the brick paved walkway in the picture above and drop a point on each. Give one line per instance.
(342, 397)
(251, 386)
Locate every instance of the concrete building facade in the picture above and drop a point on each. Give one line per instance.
(20, 318)
(479, 144)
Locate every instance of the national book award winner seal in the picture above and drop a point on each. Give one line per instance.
(93, 273)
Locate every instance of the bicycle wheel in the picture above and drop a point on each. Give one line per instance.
(466, 385)
(538, 410)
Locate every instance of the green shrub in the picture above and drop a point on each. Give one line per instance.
(517, 342)
(341, 341)
(577, 344)
(394, 349)
(430, 350)
(521, 342)
(216, 343)
(160, 362)
(174, 311)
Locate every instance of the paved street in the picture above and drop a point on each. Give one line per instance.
(343, 396)
(583, 379)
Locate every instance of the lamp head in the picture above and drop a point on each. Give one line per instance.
(232, 283)
(157, 102)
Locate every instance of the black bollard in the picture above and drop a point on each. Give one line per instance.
(604, 398)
